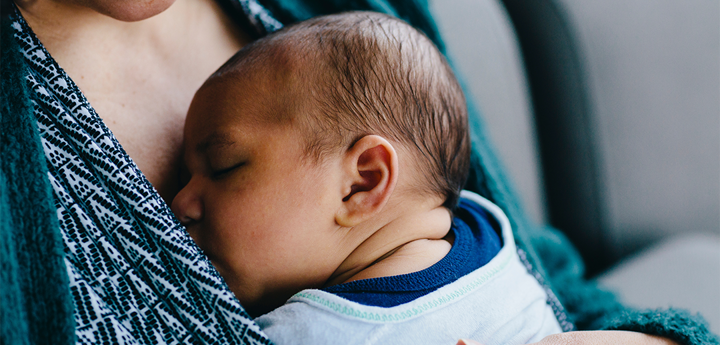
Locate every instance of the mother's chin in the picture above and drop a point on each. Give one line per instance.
(126, 10)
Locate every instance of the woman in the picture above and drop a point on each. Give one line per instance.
(84, 144)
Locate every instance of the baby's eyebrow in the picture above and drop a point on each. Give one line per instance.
(214, 140)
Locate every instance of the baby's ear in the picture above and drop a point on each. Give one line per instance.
(371, 170)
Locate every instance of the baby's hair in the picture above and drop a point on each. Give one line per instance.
(363, 73)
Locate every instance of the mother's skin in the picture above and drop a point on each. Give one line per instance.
(139, 62)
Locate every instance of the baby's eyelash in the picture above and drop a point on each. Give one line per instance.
(221, 172)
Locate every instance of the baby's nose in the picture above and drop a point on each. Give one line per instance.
(187, 207)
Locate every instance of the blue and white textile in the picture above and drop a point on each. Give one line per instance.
(499, 303)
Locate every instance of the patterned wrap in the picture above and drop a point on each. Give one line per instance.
(136, 277)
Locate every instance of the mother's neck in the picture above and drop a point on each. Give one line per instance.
(58, 23)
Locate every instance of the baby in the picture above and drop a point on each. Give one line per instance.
(326, 164)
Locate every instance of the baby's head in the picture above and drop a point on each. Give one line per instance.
(309, 140)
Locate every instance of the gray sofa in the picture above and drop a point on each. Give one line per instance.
(607, 116)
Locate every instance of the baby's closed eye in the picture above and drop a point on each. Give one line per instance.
(220, 172)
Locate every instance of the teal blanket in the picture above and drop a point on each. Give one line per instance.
(36, 306)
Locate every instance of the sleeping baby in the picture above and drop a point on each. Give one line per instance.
(326, 164)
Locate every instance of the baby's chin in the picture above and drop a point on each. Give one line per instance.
(256, 299)
(262, 305)
(258, 294)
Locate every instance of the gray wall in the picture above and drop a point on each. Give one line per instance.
(654, 72)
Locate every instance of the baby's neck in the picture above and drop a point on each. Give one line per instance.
(407, 244)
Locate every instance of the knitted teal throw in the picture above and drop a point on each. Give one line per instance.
(35, 302)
